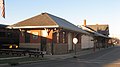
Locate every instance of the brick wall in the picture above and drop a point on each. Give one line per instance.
(29, 45)
(60, 48)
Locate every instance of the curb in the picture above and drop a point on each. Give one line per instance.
(19, 63)
(5, 64)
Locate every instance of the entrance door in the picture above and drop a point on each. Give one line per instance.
(70, 47)
(27, 37)
(43, 40)
(43, 43)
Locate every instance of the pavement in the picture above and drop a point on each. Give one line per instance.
(71, 55)
(58, 57)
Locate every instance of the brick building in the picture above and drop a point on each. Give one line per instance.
(48, 33)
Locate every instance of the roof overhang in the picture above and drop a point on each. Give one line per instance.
(54, 26)
(77, 30)
(94, 32)
(29, 27)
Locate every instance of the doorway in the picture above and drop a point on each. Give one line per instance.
(70, 46)
(43, 43)
(44, 35)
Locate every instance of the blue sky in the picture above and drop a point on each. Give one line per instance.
(75, 11)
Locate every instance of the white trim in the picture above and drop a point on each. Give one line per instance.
(33, 27)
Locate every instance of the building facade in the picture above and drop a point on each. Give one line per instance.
(96, 39)
(87, 42)
(48, 33)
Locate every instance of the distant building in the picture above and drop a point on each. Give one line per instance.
(103, 29)
(98, 37)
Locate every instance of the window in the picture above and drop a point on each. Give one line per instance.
(35, 35)
(58, 37)
(63, 37)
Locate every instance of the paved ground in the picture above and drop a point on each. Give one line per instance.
(105, 58)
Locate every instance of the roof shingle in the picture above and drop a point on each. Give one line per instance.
(47, 20)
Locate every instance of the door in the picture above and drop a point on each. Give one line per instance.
(70, 47)
(27, 37)
(43, 40)
(43, 43)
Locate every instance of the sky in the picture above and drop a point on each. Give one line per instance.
(74, 11)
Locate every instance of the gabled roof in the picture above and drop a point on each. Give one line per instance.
(103, 29)
(97, 26)
(93, 31)
(36, 21)
(46, 20)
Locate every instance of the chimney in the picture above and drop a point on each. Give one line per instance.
(85, 22)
